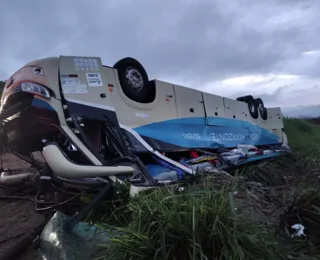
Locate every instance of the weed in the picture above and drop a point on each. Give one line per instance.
(208, 221)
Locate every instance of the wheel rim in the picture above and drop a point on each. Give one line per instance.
(134, 78)
(261, 108)
(262, 111)
(252, 109)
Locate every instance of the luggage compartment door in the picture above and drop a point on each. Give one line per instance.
(214, 107)
(189, 103)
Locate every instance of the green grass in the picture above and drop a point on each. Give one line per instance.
(191, 225)
(303, 135)
(245, 215)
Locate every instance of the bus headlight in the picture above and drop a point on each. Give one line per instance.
(35, 89)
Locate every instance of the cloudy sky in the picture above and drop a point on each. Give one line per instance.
(266, 48)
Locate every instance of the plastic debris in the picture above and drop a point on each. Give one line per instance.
(180, 189)
(81, 243)
(245, 148)
(299, 230)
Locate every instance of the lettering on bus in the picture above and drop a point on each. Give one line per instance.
(191, 136)
(234, 136)
(222, 136)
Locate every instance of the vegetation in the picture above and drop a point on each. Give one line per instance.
(1, 85)
(244, 215)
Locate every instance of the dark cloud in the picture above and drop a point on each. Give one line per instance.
(277, 95)
(198, 41)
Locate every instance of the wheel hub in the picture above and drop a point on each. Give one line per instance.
(134, 78)
(252, 108)
(261, 108)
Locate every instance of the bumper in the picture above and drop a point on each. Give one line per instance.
(28, 120)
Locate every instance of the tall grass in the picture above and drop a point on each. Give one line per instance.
(206, 222)
(197, 224)
(304, 137)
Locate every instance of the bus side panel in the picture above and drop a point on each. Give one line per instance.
(192, 133)
(189, 103)
(214, 106)
(135, 114)
(274, 121)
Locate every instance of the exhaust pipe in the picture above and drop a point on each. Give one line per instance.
(64, 168)
(14, 180)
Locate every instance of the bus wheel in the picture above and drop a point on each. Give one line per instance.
(253, 109)
(262, 110)
(133, 79)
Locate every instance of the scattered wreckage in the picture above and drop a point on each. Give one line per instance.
(97, 125)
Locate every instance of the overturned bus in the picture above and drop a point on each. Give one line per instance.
(97, 125)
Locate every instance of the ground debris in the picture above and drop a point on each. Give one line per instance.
(19, 223)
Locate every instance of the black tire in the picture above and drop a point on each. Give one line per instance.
(261, 108)
(253, 109)
(133, 79)
(244, 98)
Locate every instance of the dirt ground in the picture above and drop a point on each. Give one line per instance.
(19, 224)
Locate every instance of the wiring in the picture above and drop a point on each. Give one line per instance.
(36, 202)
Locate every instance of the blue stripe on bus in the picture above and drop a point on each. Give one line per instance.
(194, 133)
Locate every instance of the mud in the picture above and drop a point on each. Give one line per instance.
(19, 224)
